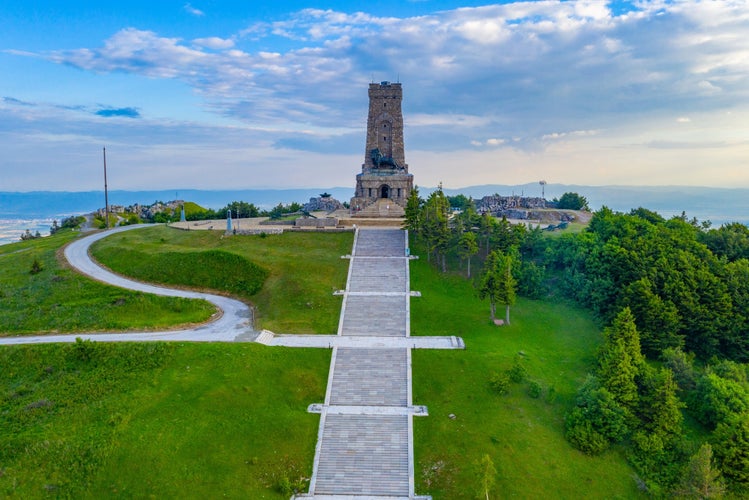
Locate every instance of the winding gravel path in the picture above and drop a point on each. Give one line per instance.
(234, 324)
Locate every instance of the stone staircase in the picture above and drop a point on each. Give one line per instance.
(365, 447)
(382, 208)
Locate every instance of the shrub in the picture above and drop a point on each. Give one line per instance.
(582, 435)
(517, 373)
(500, 383)
(36, 267)
(596, 420)
(534, 389)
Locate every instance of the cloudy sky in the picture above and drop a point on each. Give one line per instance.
(253, 94)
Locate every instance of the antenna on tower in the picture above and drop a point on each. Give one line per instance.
(543, 185)
(398, 78)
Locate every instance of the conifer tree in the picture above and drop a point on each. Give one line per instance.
(620, 359)
(413, 211)
(467, 247)
(434, 223)
(497, 283)
(660, 408)
(701, 478)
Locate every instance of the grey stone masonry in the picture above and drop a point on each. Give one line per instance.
(365, 447)
(380, 243)
(364, 455)
(370, 377)
(384, 174)
(378, 275)
(380, 315)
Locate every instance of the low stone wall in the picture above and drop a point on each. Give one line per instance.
(316, 222)
(271, 222)
(256, 230)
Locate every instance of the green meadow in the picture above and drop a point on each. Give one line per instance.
(297, 273)
(522, 431)
(205, 420)
(157, 420)
(58, 300)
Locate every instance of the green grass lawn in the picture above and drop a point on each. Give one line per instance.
(157, 420)
(524, 436)
(303, 270)
(59, 300)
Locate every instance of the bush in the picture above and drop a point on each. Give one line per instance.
(500, 383)
(36, 267)
(582, 435)
(517, 373)
(534, 389)
(597, 419)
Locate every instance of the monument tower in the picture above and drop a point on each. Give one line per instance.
(384, 183)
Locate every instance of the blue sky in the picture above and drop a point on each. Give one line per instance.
(213, 94)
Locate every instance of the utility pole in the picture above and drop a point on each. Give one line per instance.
(106, 194)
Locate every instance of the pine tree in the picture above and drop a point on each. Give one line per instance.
(497, 283)
(701, 478)
(467, 247)
(435, 228)
(731, 444)
(413, 211)
(660, 407)
(620, 359)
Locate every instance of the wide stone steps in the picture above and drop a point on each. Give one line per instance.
(370, 377)
(381, 243)
(364, 450)
(363, 455)
(382, 315)
(378, 275)
(382, 208)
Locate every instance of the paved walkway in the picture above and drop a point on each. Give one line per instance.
(365, 441)
(233, 320)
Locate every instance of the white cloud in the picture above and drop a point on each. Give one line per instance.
(214, 42)
(193, 11)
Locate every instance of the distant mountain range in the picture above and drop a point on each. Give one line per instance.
(718, 205)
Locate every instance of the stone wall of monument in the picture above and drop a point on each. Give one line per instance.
(385, 100)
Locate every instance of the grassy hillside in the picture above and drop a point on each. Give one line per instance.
(56, 299)
(303, 270)
(157, 420)
(523, 435)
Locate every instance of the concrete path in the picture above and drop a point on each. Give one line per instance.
(365, 440)
(233, 320)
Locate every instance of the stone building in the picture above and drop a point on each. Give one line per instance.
(384, 183)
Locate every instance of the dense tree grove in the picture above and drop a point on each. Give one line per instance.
(675, 296)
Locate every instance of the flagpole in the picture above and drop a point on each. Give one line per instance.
(106, 194)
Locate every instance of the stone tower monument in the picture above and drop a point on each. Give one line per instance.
(384, 183)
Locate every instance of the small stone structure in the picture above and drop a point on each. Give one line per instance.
(512, 207)
(320, 203)
(384, 174)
